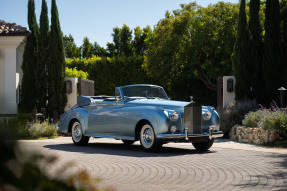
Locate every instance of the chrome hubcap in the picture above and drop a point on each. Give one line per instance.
(77, 133)
(147, 136)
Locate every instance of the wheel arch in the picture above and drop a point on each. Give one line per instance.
(72, 121)
(139, 126)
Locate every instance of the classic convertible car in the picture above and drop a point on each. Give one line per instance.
(141, 112)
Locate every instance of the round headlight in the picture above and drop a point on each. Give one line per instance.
(207, 115)
(174, 116)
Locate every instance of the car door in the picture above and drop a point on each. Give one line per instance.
(105, 119)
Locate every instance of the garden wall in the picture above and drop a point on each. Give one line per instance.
(253, 135)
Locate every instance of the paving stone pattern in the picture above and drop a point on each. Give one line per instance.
(227, 166)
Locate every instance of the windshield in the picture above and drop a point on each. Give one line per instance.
(142, 92)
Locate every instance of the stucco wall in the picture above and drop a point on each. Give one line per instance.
(10, 62)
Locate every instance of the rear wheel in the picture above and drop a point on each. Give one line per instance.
(148, 139)
(203, 146)
(77, 135)
(128, 142)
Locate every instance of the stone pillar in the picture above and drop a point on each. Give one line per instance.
(73, 96)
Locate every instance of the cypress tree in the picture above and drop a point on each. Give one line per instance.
(256, 50)
(240, 57)
(29, 90)
(43, 57)
(86, 48)
(272, 65)
(56, 68)
(284, 32)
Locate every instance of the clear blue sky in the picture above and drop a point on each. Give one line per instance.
(97, 18)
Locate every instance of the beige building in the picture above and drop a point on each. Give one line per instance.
(12, 43)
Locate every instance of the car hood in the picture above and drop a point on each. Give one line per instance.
(159, 103)
(167, 104)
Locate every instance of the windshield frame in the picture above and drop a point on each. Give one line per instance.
(126, 98)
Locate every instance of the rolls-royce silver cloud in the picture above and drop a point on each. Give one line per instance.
(141, 112)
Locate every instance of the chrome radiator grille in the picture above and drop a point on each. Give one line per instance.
(193, 119)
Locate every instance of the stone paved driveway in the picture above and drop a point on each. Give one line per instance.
(227, 166)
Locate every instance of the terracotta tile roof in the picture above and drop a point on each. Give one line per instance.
(12, 29)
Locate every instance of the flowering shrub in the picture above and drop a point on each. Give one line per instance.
(268, 119)
(253, 118)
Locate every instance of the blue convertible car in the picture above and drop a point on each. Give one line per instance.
(141, 112)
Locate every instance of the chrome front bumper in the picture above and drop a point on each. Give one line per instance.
(189, 136)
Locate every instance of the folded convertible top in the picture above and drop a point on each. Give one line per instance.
(87, 100)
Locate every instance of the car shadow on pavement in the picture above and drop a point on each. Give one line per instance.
(124, 150)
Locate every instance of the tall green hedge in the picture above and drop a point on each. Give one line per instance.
(109, 73)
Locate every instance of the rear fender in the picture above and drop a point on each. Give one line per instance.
(81, 114)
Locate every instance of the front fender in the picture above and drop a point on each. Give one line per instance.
(156, 116)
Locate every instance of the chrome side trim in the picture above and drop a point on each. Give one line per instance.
(108, 136)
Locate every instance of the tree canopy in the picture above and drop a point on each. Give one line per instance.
(196, 39)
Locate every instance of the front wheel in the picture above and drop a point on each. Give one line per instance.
(78, 137)
(148, 139)
(203, 146)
